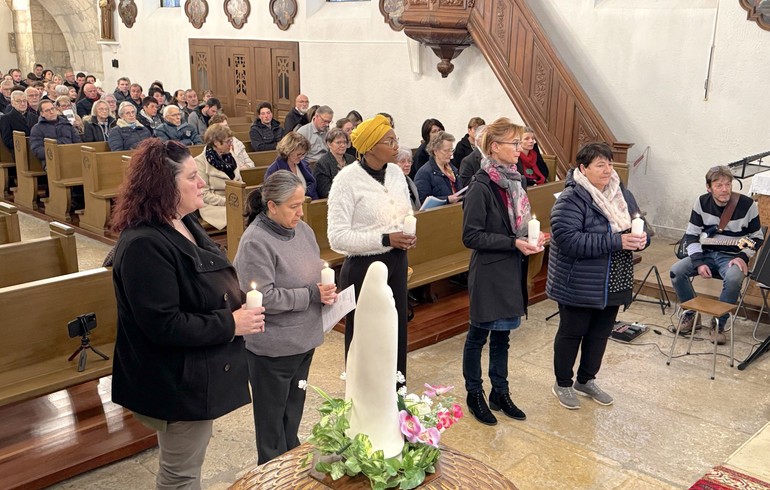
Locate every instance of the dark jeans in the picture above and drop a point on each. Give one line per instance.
(277, 401)
(586, 329)
(498, 358)
(353, 272)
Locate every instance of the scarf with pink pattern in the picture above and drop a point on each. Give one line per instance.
(507, 178)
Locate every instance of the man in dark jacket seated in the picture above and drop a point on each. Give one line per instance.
(17, 119)
(148, 116)
(265, 132)
(297, 117)
(175, 129)
(53, 126)
(90, 95)
(730, 262)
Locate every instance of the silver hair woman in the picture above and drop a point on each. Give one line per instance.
(278, 254)
(404, 160)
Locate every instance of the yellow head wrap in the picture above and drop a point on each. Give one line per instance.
(369, 133)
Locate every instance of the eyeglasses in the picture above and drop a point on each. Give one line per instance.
(391, 143)
(517, 144)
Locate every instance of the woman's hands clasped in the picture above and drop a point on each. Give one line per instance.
(523, 245)
(634, 242)
(328, 293)
(249, 321)
(402, 241)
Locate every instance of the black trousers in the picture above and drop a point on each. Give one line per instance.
(353, 272)
(277, 401)
(586, 329)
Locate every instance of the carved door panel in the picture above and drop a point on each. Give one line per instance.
(241, 70)
(221, 86)
(201, 66)
(285, 79)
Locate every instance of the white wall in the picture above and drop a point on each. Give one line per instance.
(7, 59)
(349, 59)
(644, 69)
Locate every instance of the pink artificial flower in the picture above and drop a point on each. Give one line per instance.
(430, 436)
(433, 391)
(457, 411)
(410, 426)
(445, 420)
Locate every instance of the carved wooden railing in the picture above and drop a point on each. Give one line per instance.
(541, 87)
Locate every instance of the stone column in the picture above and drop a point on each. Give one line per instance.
(25, 46)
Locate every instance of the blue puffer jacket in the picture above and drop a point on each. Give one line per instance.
(60, 130)
(581, 245)
(184, 133)
(125, 137)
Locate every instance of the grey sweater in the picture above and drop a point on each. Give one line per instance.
(286, 269)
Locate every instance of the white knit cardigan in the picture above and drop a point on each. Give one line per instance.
(361, 209)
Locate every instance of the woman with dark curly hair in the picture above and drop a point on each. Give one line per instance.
(179, 354)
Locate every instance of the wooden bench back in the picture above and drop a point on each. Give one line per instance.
(541, 201)
(263, 158)
(622, 170)
(236, 194)
(5, 155)
(26, 161)
(550, 164)
(238, 120)
(439, 233)
(35, 316)
(9, 223)
(239, 127)
(42, 258)
(316, 214)
(101, 170)
(242, 135)
(254, 176)
(64, 161)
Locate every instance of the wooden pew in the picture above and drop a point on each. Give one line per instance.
(9, 224)
(242, 135)
(550, 164)
(64, 172)
(254, 176)
(440, 252)
(35, 346)
(102, 175)
(315, 215)
(7, 170)
(263, 158)
(541, 201)
(239, 127)
(42, 258)
(236, 194)
(29, 173)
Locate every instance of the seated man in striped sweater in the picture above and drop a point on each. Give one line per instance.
(729, 261)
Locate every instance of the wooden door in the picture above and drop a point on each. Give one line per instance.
(241, 75)
(201, 65)
(285, 79)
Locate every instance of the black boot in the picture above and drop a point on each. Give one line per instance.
(502, 401)
(477, 405)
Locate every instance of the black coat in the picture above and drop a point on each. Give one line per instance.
(93, 132)
(497, 277)
(84, 106)
(265, 138)
(325, 170)
(469, 166)
(176, 357)
(15, 121)
(294, 120)
(581, 245)
(127, 138)
(421, 157)
(462, 150)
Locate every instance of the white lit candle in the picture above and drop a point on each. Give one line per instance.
(253, 298)
(533, 231)
(637, 226)
(410, 224)
(327, 275)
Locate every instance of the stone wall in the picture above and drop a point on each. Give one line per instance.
(50, 46)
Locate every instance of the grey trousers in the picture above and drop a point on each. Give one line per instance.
(182, 449)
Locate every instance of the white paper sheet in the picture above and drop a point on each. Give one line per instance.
(344, 304)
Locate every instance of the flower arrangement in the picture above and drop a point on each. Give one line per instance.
(423, 418)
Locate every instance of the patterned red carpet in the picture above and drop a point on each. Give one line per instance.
(722, 478)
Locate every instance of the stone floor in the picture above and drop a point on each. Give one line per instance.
(668, 426)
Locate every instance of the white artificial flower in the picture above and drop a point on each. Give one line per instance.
(344, 376)
(400, 377)
(302, 385)
(427, 400)
(401, 391)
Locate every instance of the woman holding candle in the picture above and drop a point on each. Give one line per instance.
(496, 217)
(179, 354)
(279, 253)
(590, 269)
(367, 206)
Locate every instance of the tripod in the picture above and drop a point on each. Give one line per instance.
(85, 344)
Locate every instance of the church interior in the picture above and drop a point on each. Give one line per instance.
(674, 87)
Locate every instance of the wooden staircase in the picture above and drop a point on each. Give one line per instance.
(542, 88)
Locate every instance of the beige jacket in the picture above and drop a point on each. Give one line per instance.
(214, 211)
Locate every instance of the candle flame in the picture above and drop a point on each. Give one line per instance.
(411, 213)
(326, 265)
(253, 285)
(534, 217)
(637, 215)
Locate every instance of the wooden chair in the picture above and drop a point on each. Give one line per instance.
(33, 326)
(42, 258)
(64, 172)
(9, 224)
(7, 171)
(29, 173)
